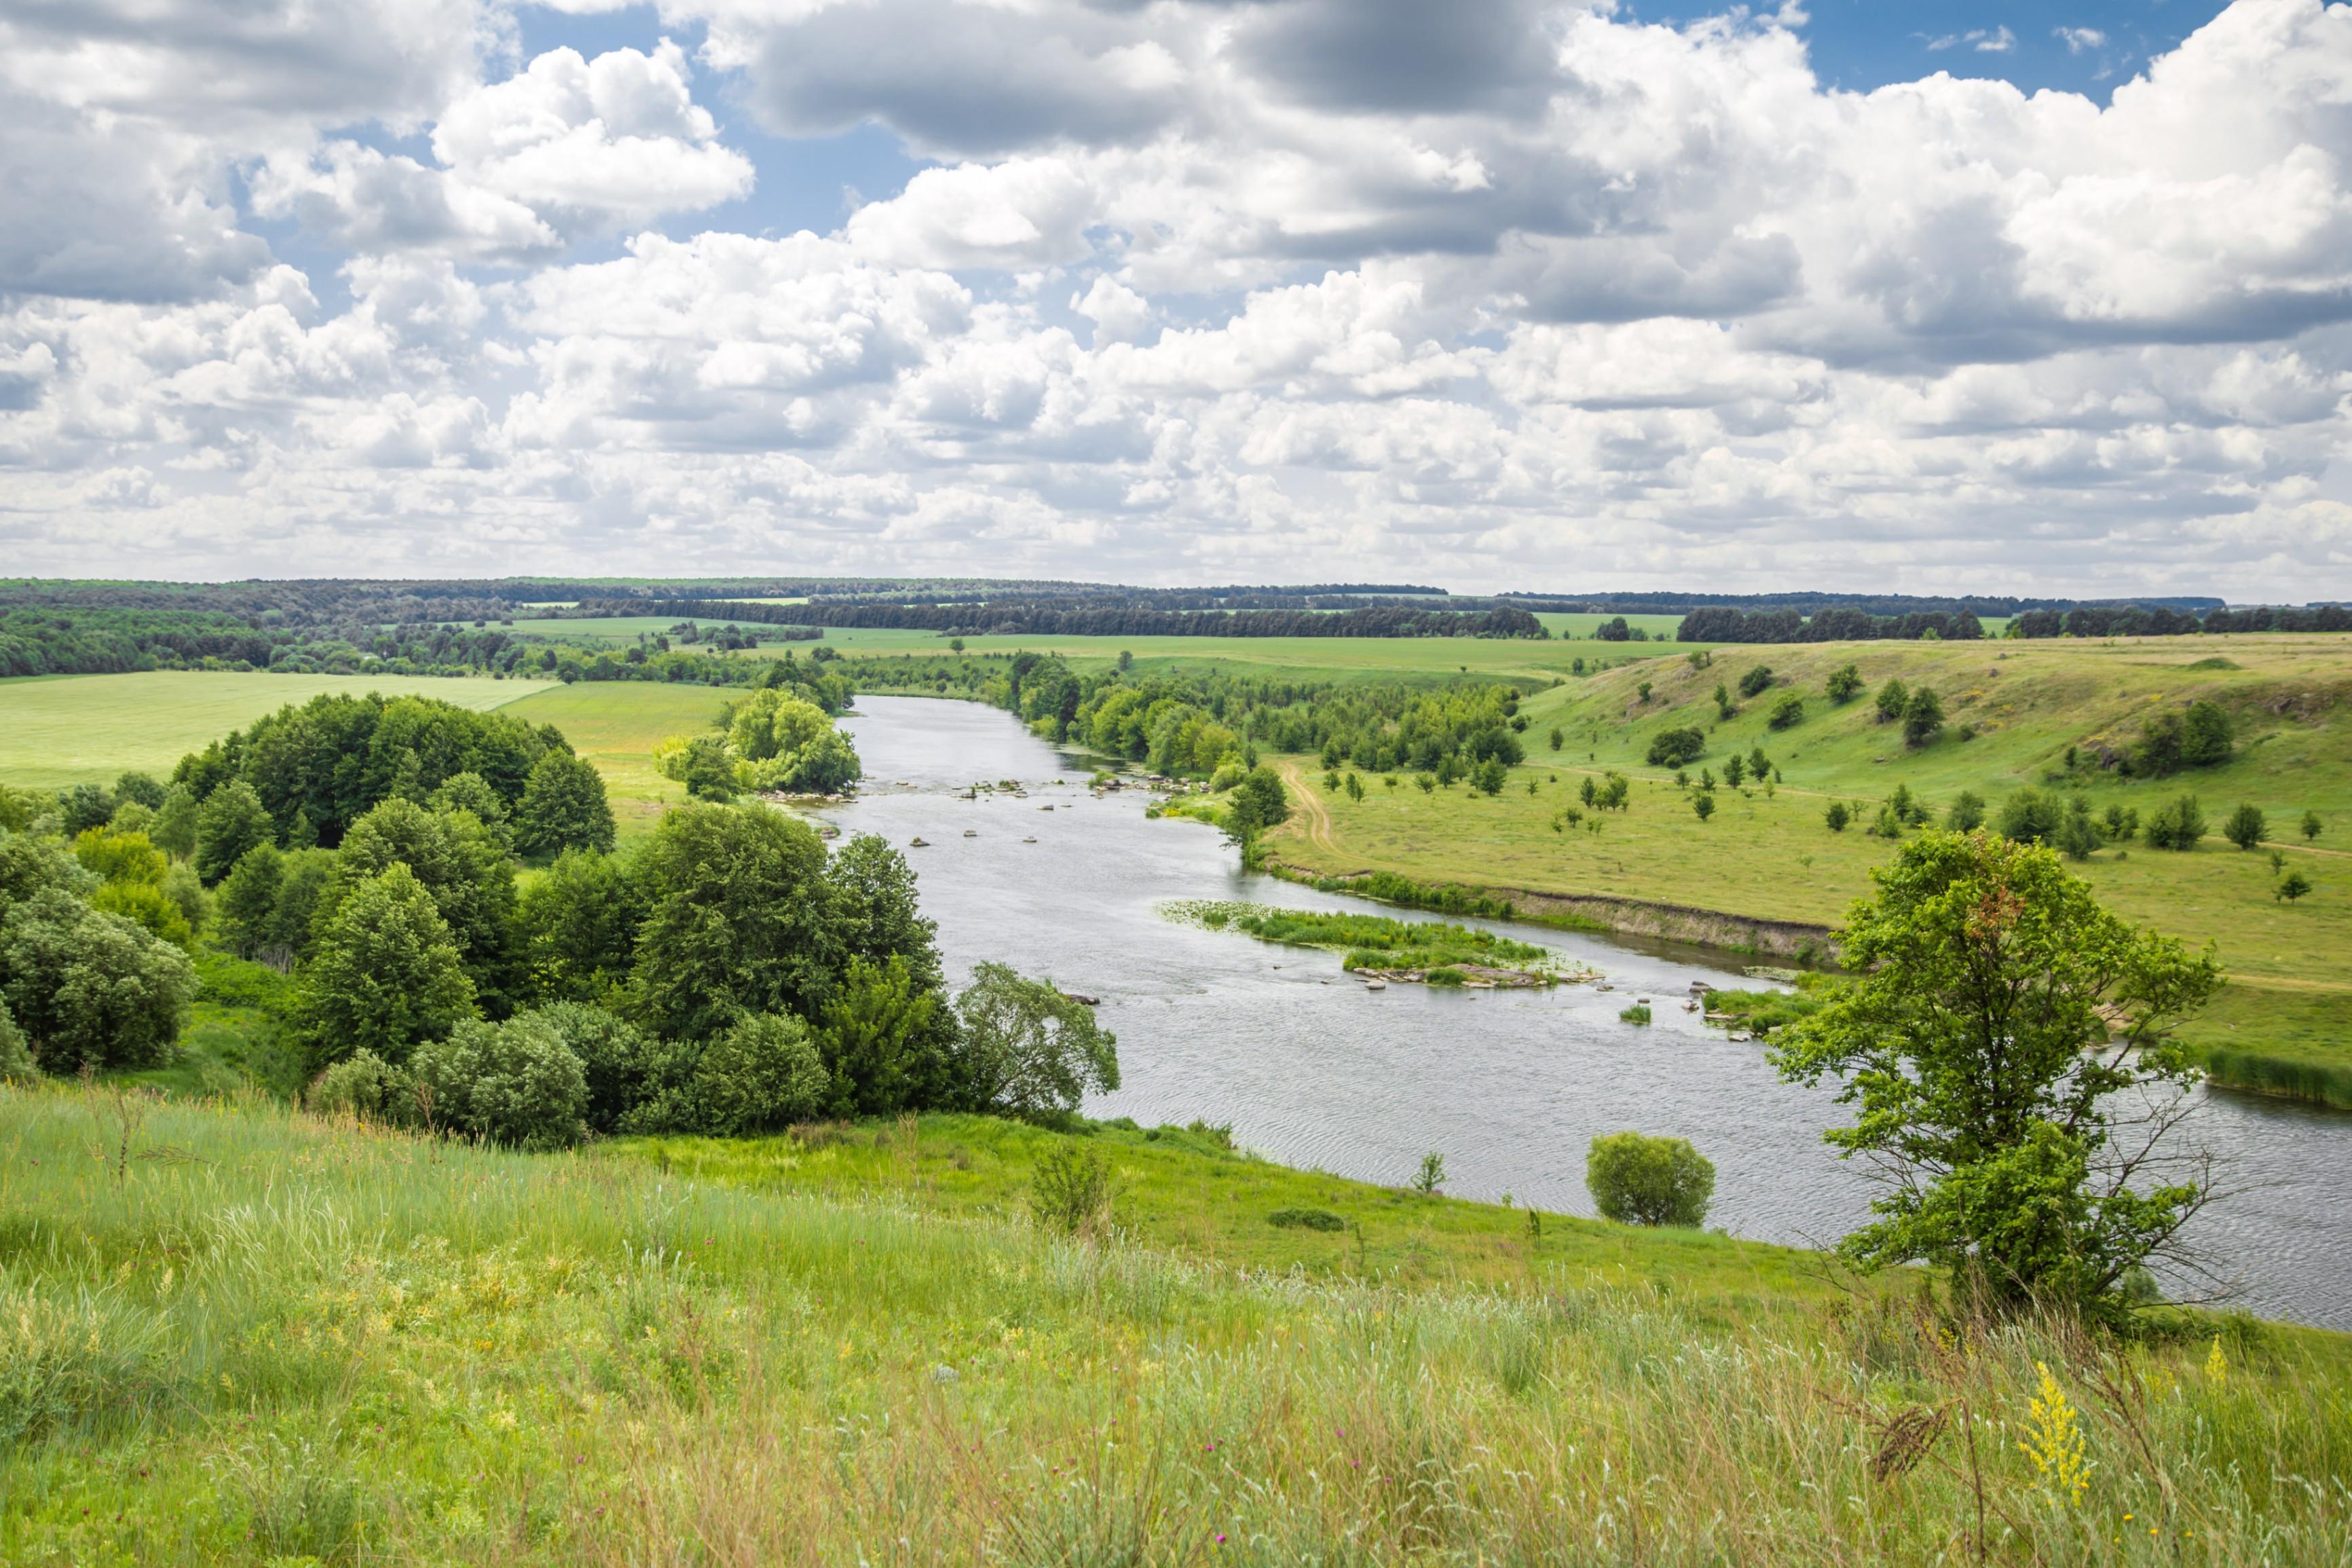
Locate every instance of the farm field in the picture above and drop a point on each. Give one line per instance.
(1771, 855)
(88, 729)
(617, 724)
(296, 1340)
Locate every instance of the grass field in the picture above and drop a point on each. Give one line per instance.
(1772, 857)
(615, 725)
(75, 729)
(284, 1340)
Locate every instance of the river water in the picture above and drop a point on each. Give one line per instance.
(1313, 1069)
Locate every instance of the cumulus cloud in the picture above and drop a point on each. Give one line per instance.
(1524, 292)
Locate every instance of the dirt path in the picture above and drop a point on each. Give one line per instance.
(1310, 805)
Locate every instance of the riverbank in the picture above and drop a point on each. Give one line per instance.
(297, 1339)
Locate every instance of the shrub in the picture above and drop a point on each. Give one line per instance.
(2246, 827)
(2311, 827)
(1070, 1190)
(761, 1076)
(515, 1083)
(1703, 804)
(2123, 823)
(1635, 1180)
(1838, 815)
(2029, 816)
(16, 1065)
(623, 1066)
(1893, 697)
(1844, 684)
(1676, 748)
(1431, 1176)
(1306, 1220)
(1922, 718)
(2177, 823)
(366, 1086)
(1755, 680)
(1638, 1012)
(2292, 886)
(1966, 814)
(1029, 1049)
(2077, 837)
(1489, 779)
(1788, 711)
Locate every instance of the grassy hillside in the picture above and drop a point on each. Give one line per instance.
(78, 729)
(268, 1340)
(1771, 854)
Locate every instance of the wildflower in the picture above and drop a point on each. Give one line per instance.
(2217, 1366)
(2056, 1446)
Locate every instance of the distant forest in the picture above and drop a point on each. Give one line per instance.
(460, 626)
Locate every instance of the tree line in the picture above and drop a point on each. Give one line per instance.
(1055, 618)
(1721, 624)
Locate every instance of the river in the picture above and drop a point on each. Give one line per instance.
(1313, 1069)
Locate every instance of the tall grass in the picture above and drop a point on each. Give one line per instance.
(297, 1339)
(2300, 1078)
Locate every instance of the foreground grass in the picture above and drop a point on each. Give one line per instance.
(89, 729)
(272, 1340)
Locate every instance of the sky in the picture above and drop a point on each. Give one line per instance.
(1930, 296)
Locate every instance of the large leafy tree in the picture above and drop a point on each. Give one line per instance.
(879, 1040)
(736, 918)
(91, 989)
(464, 868)
(580, 921)
(384, 974)
(231, 821)
(2007, 1048)
(1028, 1049)
(563, 807)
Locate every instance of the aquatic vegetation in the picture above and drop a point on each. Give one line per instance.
(1437, 953)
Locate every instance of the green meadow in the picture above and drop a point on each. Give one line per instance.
(617, 724)
(239, 1334)
(1769, 854)
(88, 729)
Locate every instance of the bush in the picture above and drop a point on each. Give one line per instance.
(1703, 804)
(1893, 697)
(1635, 1180)
(1922, 718)
(1675, 748)
(16, 1065)
(2077, 837)
(515, 1083)
(91, 989)
(761, 1075)
(2177, 823)
(2246, 827)
(366, 1086)
(1966, 814)
(1844, 684)
(2029, 816)
(1838, 816)
(1070, 1190)
(2292, 886)
(1028, 1049)
(1788, 711)
(1638, 1012)
(1755, 680)
(623, 1066)
(1306, 1220)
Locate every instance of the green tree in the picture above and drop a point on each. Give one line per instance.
(1490, 776)
(469, 874)
(1028, 1049)
(2177, 823)
(1788, 711)
(1923, 717)
(1844, 684)
(1997, 1013)
(17, 1064)
(878, 1039)
(736, 920)
(470, 791)
(762, 1074)
(1704, 805)
(2078, 838)
(1735, 770)
(248, 899)
(174, 828)
(91, 989)
(1635, 1180)
(1893, 698)
(515, 1083)
(621, 1066)
(2311, 827)
(140, 789)
(579, 921)
(2029, 816)
(1557, 737)
(2206, 740)
(1258, 804)
(2292, 886)
(231, 821)
(384, 974)
(299, 892)
(1755, 680)
(563, 807)
(1675, 748)
(1838, 816)
(1967, 812)
(2246, 826)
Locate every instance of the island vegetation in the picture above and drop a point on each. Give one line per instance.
(1430, 952)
